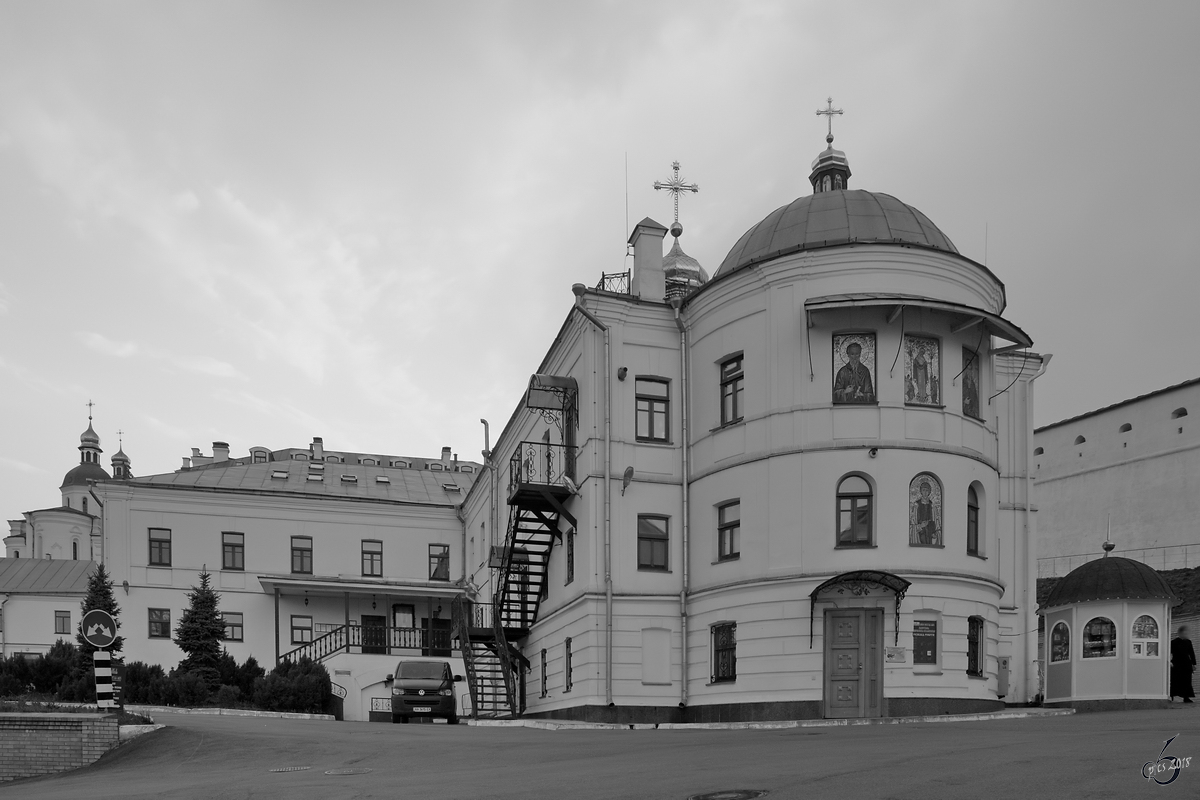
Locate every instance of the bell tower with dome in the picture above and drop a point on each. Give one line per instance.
(75, 483)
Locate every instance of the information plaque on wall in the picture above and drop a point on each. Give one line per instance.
(924, 641)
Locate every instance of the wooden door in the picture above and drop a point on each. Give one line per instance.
(853, 667)
(374, 634)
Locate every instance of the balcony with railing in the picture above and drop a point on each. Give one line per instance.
(615, 282)
(541, 469)
(378, 640)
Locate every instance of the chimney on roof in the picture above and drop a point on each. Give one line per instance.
(187, 463)
(446, 454)
(318, 449)
(199, 460)
(220, 451)
(649, 281)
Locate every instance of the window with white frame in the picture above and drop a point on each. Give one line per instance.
(160, 547)
(233, 626)
(372, 558)
(652, 396)
(302, 629)
(62, 622)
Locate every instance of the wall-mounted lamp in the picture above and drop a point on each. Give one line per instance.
(622, 372)
(306, 597)
(626, 479)
(874, 451)
(125, 586)
(439, 610)
(372, 601)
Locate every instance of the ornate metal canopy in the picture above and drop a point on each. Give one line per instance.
(859, 583)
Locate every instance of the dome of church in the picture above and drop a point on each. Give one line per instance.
(832, 218)
(682, 272)
(87, 471)
(89, 436)
(1111, 578)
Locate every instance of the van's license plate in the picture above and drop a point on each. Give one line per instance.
(423, 709)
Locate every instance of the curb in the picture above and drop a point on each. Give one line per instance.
(226, 712)
(565, 725)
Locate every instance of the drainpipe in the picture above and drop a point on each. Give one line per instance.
(676, 302)
(1030, 640)
(494, 478)
(458, 512)
(579, 289)
(3, 627)
(92, 492)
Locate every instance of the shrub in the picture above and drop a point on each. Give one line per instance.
(50, 670)
(302, 686)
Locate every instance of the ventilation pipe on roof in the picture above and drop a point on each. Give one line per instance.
(446, 455)
(579, 289)
(649, 281)
(220, 451)
(318, 449)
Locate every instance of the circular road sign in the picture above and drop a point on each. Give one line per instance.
(99, 628)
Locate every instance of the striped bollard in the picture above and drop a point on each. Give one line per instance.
(102, 661)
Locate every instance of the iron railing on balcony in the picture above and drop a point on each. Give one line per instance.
(376, 639)
(541, 463)
(615, 282)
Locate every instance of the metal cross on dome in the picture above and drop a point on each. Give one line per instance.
(89, 405)
(828, 114)
(676, 186)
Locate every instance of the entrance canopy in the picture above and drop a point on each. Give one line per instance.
(860, 583)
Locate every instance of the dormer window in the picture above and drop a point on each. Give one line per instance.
(1179, 412)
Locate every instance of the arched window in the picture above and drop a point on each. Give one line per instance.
(825, 186)
(75, 551)
(1126, 428)
(854, 497)
(1179, 412)
(85, 505)
(1100, 638)
(370, 462)
(1079, 439)
(1143, 639)
(837, 181)
(1060, 643)
(972, 522)
(925, 511)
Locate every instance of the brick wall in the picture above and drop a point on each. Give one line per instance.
(41, 744)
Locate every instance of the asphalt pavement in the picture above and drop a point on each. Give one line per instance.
(1088, 756)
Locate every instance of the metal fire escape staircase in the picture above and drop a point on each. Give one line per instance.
(540, 480)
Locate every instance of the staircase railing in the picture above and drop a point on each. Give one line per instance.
(372, 638)
(541, 463)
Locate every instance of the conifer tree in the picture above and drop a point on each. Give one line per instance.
(99, 595)
(201, 628)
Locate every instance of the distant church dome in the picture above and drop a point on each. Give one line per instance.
(682, 272)
(83, 473)
(831, 218)
(1111, 578)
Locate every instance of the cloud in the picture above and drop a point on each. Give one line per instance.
(21, 466)
(105, 346)
(167, 429)
(5, 299)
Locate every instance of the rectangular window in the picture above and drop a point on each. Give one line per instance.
(653, 399)
(233, 626)
(724, 644)
(972, 530)
(160, 547)
(62, 622)
(302, 555)
(372, 558)
(260, 458)
(302, 629)
(160, 623)
(652, 542)
(729, 531)
(570, 556)
(545, 690)
(975, 651)
(233, 550)
(925, 641)
(568, 679)
(731, 391)
(439, 562)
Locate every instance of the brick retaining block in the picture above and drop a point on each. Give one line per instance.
(43, 744)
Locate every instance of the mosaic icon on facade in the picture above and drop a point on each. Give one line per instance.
(922, 371)
(925, 510)
(854, 360)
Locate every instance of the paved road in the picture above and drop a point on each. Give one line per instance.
(1083, 756)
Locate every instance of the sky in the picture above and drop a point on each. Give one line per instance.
(260, 222)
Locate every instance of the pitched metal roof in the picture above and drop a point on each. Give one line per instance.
(44, 576)
(1111, 578)
(320, 479)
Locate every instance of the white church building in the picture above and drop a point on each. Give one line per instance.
(798, 489)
